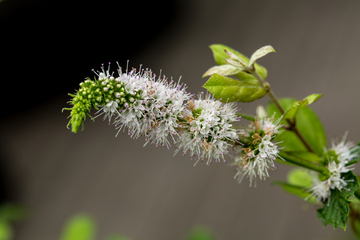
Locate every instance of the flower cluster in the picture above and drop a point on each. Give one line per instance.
(208, 131)
(259, 153)
(338, 162)
(154, 107)
(160, 110)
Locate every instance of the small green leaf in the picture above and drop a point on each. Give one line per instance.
(291, 112)
(357, 158)
(308, 125)
(336, 211)
(300, 177)
(200, 233)
(11, 212)
(220, 57)
(260, 53)
(79, 227)
(230, 90)
(298, 191)
(224, 70)
(238, 65)
(6, 232)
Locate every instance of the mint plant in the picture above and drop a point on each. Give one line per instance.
(207, 126)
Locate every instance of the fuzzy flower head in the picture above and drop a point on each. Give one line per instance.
(344, 151)
(338, 163)
(321, 189)
(143, 104)
(259, 151)
(207, 129)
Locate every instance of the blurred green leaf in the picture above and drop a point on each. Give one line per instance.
(357, 158)
(300, 177)
(230, 90)
(6, 232)
(354, 217)
(308, 125)
(12, 212)
(79, 227)
(298, 191)
(220, 57)
(299, 181)
(291, 111)
(200, 233)
(336, 210)
(117, 237)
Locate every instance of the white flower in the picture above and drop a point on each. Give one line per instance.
(110, 109)
(340, 155)
(207, 129)
(258, 155)
(322, 189)
(256, 162)
(335, 180)
(154, 113)
(345, 151)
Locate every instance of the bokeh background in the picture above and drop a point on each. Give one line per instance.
(50, 46)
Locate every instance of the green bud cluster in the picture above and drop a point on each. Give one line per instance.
(93, 94)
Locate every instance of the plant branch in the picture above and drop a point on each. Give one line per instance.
(292, 124)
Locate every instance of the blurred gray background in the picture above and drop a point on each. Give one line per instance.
(147, 193)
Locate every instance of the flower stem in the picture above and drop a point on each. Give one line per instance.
(291, 124)
(304, 162)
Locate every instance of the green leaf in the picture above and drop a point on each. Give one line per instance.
(336, 213)
(300, 177)
(11, 212)
(297, 106)
(230, 90)
(6, 232)
(261, 52)
(336, 210)
(298, 191)
(304, 155)
(357, 158)
(220, 57)
(79, 227)
(224, 70)
(308, 125)
(200, 233)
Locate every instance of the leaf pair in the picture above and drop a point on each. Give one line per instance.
(231, 62)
